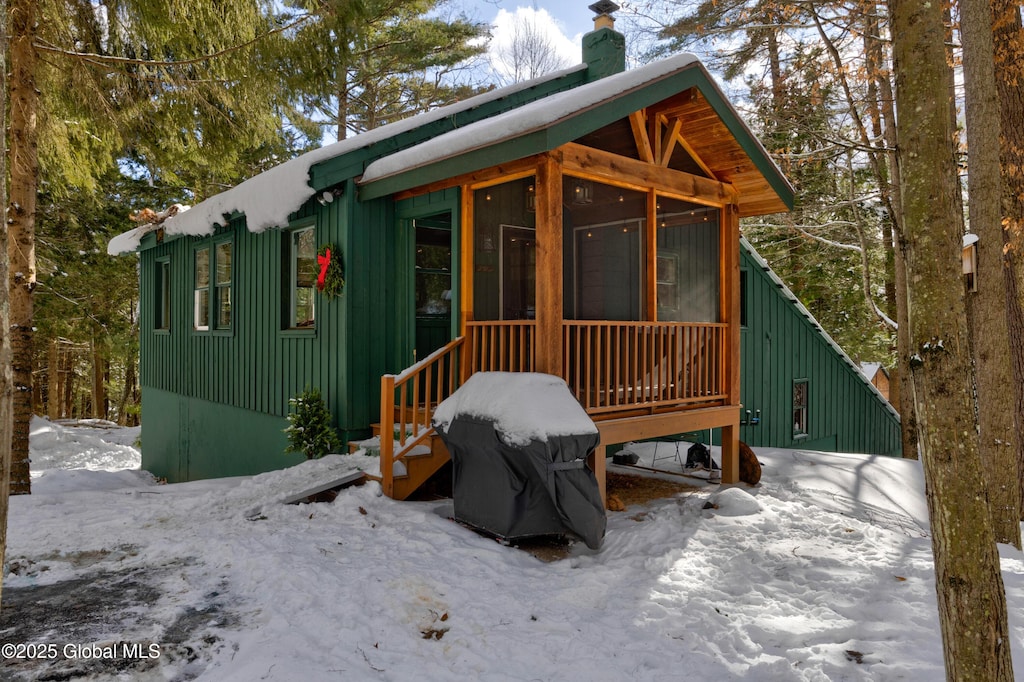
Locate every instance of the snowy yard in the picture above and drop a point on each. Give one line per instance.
(822, 572)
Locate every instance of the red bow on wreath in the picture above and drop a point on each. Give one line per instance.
(324, 262)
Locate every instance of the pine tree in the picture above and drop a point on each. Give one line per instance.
(309, 426)
(390, 60)
(177, 88)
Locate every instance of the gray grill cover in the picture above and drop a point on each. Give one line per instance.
(542, 488)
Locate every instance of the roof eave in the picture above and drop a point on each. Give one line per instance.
(552, 135)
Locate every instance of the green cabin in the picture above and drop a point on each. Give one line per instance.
(584, 224)
(799, 388)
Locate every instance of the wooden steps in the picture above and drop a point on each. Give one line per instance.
(414, 468)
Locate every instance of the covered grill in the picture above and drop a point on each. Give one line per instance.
(519, 444)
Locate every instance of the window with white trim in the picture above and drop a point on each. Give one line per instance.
(212, 304)
(800, 403)
(301, 267)
(222, 304)
(201, 300)
(162, 293)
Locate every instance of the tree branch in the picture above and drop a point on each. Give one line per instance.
(111, 61)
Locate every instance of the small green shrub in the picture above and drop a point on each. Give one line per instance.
(309, 426)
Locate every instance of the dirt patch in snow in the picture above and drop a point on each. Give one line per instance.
(109, 624)
(633, 490)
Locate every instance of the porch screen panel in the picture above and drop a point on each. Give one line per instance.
(687, 262)
(504, 251)
(604, 255)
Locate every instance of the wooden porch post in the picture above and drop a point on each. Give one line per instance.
(731, 315)
(651, 253)
(548, 342)
(466, 270)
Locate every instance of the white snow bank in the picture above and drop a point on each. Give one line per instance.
(524, 406)
(270, 197)
(74, 480)
(735, 502)
(832, 580)
(89, 446)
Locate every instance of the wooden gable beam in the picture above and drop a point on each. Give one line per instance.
(669, 144)
(693, 154)
(654, 134)
(505, 172)
(603, 166)
(637, 121)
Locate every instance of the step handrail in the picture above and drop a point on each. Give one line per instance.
(431, 380)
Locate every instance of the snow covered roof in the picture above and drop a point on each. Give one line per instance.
(788, 293)
(528, 118)
(268, 199)
(969, 239)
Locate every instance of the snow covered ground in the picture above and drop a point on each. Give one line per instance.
(822, 572)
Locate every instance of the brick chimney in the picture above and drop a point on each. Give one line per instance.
(604, 48)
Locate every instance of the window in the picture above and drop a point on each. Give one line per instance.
(202, 290)
(800, 408)
(433, 269)
(302, 268)
(223, 301)
(162, 319)
(212, 291)
(743, 297)
(687, 277)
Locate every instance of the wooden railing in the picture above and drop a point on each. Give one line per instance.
(407, 403)
(614, 366)
(500, 346)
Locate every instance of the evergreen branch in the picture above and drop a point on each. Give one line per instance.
(111, 60)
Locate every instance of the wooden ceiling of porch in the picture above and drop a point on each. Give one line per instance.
(685, 133)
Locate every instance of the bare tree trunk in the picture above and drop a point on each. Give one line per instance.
(888, 176)
(971, 598)
(1008, 53)
(67, 365)
(53, 385)
(902, 394)
(99, 390)
(21, 217)
(342, 102)
(6, 380)
(990, 341)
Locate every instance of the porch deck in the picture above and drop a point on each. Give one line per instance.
(636, 380)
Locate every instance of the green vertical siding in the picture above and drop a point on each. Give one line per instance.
(250, 372)
(255, 367)
(780, 344)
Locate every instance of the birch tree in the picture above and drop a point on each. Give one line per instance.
(969, 586)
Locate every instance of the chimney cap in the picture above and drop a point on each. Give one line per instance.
(603, 7)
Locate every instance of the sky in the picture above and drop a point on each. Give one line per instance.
(565, 21)
(822, 571)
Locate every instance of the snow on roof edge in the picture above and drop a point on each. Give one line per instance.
(268, 199)
(787, 292)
